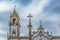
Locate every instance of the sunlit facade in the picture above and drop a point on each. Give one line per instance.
(14, 30)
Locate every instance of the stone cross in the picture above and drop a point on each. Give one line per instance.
(30, 18)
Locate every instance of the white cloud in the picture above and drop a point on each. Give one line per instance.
(22, 34)
(1, 38)
(33, 8)
(52, 18)
(1, 29)
(1, 25)
(6, 6)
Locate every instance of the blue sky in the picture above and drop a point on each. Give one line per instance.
(46, 10)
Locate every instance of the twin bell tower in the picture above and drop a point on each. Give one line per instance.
(14, 26)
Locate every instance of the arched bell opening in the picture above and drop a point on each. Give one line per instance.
(14, 20)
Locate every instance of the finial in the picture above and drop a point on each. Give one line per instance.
(40, 22)
(29, 13)
(14, 7)
(14, 11)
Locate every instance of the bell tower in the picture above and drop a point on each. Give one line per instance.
(14, 26)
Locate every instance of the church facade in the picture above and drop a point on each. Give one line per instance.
(14, 30)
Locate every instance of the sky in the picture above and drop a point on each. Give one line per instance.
(46, 10)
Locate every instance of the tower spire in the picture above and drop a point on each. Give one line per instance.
(14, 11)
(40, 22)
(40, 27)
(15, 8)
